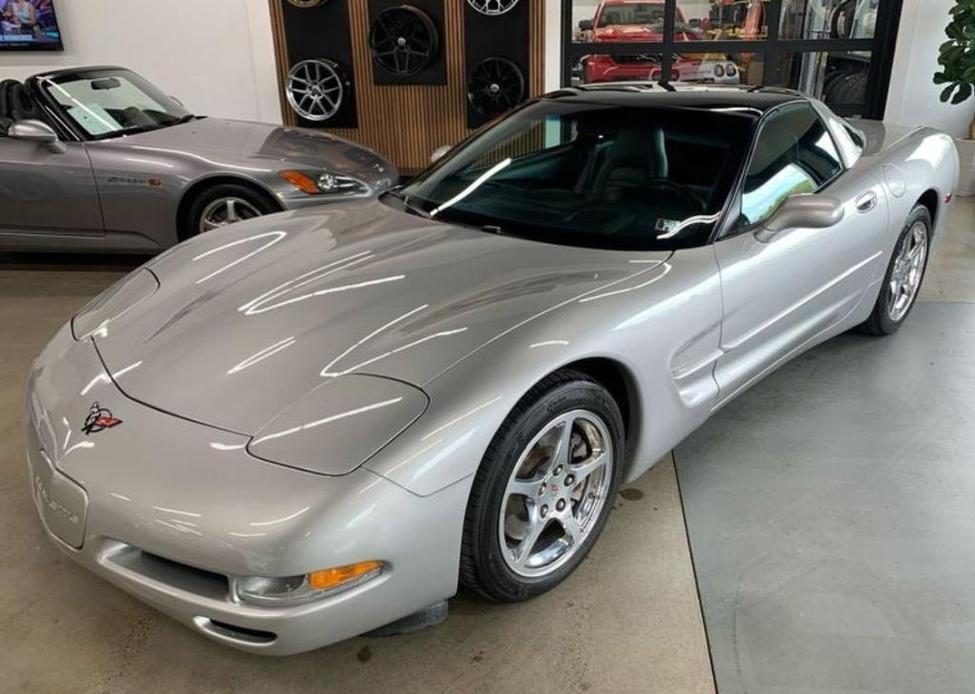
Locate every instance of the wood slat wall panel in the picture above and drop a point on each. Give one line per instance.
(406, 123)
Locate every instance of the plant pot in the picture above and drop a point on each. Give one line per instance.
(966, 181)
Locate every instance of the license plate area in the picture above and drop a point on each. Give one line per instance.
(61, 502)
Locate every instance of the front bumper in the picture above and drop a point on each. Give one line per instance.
(172, 511)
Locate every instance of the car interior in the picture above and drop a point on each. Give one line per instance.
(615, 173)
(15, 104)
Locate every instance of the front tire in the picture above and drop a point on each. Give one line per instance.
(224, 204)
(902, 283)
(544, 489)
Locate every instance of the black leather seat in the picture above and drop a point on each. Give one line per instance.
(15, 104)
(637, 156)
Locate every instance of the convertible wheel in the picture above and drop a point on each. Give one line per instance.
(224, 204)
(904, 276)
(544, 489)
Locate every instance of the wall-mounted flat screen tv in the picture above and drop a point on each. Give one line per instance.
(29, 25)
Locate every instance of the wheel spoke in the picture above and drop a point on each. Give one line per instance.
(586, 468)
(523, 552)
(571, 526)
(527, 488)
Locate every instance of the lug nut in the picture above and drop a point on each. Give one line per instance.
(561, 505)
(558, 470)
(541, 490)
(569, 481)
(544, 511)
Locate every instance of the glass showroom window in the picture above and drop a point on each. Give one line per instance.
(838, 50)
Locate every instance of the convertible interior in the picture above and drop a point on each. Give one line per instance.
(15, 104)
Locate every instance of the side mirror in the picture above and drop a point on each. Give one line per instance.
(36, 131)
(586, 25)
(803, 211)
(439, 153)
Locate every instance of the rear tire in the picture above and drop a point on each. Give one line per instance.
(904, 277)
(224, 204)
(544, 489)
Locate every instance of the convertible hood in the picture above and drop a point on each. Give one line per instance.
(260, 144)
(249, 319)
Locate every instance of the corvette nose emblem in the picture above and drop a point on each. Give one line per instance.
(99, 419)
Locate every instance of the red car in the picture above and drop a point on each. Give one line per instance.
(643, 21)
(631, 20)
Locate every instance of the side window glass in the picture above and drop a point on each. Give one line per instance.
(794, 154)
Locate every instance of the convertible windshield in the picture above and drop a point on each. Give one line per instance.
(596, 175)
(107, 103)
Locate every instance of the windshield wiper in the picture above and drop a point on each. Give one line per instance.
(184, 119)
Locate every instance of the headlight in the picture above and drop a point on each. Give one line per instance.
(327, 183)
(296, 590)
(115, 301)
(332, 430)
(718, 71)
(731, 71)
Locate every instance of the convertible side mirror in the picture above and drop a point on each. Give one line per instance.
(32, 130)
(439, 153)
(586, 25)
(803, 211)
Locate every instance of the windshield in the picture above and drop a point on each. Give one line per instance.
(596, 175)
(646, 13)
(107, 103)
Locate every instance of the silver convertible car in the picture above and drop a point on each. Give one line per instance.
(98, 159)
(304, 427)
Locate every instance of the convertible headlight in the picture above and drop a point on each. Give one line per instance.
(296, 590)
(327, 183)
(111, 304)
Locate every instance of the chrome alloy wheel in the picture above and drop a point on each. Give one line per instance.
(556, 493)
(314, 89)
(224, 211)
(492, 8)
(905, 279)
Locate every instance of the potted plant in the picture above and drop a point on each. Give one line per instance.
(957, 61)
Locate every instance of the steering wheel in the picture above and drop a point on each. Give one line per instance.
(686, 191)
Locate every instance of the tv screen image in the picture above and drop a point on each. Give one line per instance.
(29, 25)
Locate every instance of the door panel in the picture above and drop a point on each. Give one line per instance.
(47, 193)
(781, 295)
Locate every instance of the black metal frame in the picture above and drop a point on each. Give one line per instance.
(771, 48)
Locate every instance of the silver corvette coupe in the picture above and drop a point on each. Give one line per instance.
(305, 427)
(98, 159)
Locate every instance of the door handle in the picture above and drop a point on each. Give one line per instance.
(867, 201)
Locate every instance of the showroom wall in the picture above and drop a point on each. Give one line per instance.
(913, 96)
(216, 56)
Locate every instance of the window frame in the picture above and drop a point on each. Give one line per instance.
(729, 227)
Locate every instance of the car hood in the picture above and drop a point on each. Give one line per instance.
(265, 146)
(627, 32)
(249, 319)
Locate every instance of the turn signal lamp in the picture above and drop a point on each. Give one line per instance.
(330, 579)
(297, 590)
(304, 183)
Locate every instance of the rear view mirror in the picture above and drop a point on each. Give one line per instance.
(105, 83)
(439, 153)
(803, 211)
(32, 130)
(586, 25)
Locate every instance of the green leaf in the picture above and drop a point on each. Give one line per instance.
(963, 93)
(946, 94)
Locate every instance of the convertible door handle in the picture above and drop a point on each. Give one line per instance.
(867, 201)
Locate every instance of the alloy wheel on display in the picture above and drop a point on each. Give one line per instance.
(556, 494)
(492, 8)
(403, 40)
(494, 86)
(315, 89)
(908, 271)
